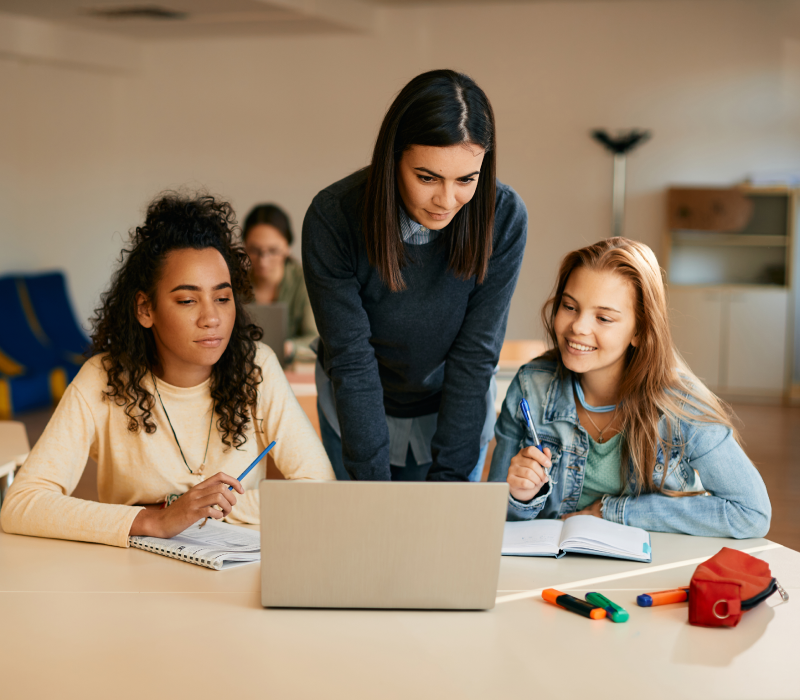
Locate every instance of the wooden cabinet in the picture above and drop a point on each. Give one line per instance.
(696, 319)
(756, 360)
(734, 339)
(730, 292)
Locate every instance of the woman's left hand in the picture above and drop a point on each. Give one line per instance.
(595, 509)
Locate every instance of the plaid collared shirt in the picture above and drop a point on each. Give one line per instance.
(414, 233)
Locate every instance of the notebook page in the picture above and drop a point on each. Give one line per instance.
(586, 533)
(215, 534)
(531, 537)
(215, 545)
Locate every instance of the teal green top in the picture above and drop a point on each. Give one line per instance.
(602, 470)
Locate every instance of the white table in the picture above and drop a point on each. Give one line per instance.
(91, 621)
(13, 451)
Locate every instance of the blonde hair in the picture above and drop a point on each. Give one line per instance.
(656, 381)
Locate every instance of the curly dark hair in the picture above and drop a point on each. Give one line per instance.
(176, 221)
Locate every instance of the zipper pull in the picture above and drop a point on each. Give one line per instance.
(782, 591)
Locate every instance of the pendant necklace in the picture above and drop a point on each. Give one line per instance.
(177, 442)
(600, 439)
(594, 409)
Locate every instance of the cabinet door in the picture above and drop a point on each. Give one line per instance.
(696, 321)
(756, 338)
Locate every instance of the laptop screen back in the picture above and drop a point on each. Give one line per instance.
(273, 320)
(362, 544)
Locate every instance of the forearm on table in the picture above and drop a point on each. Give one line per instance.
(45, 513)
(704, 515)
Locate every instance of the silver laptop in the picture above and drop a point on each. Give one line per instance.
(273, 320)
(376, 544)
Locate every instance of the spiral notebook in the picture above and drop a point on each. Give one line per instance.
(582, 534)
(216, 545)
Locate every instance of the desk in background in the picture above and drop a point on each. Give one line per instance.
(91, 621)
(13, 452)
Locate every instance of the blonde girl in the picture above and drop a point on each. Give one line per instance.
(629, 433)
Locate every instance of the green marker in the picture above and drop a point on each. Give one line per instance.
(614, 611)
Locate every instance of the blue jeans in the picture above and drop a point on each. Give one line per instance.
(411, 472)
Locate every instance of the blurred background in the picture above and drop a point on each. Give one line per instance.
(272, 101)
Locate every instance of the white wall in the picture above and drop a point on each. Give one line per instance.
(718, 82)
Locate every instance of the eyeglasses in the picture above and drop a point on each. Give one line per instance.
(266, 252)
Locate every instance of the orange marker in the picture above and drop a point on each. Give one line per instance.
(576, 605)
(676, 595)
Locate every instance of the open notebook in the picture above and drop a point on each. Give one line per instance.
(583, 534)
(216, 545)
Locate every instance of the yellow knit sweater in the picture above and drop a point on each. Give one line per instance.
(137, 468)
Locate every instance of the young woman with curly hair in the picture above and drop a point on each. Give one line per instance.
(178, 396)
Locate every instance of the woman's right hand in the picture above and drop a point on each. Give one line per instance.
(526, 473)
(209, 499)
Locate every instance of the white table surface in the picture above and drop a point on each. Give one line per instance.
(91, 621)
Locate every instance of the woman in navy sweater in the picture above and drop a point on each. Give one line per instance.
(410, 266)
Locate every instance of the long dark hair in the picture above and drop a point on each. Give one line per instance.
(272, 215)
(175, 222)
(438, 108)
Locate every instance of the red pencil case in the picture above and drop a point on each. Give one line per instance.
(728, 585)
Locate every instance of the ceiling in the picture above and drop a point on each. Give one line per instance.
(199, 17)
(222, 17)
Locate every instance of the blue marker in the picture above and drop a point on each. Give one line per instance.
(255, 461)
(526, 414)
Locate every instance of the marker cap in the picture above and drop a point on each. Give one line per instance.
(614, 611)
(576, 605)
(677, 595)
(550, 595)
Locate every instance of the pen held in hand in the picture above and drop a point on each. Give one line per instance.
(247, 471)
(255, 461)
(526, 414)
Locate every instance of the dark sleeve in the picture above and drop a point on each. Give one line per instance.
(474, 353)
(329, 265)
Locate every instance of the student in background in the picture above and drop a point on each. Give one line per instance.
(278, 277)
(178, 396)
(410, 266)
(629, 433)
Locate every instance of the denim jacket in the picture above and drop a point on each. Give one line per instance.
(704, 457)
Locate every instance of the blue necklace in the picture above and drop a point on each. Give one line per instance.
(582, 399)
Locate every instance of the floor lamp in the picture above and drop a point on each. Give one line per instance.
(619, 146)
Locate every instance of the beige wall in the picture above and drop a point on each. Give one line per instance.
(84, 147)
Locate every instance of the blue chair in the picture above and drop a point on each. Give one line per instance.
(41, 343)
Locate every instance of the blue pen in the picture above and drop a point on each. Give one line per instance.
(255, 461)
(526, 414)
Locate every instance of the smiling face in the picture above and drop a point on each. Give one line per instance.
(436, 181)
(193, 315)
(596, 323)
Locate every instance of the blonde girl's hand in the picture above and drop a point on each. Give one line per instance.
(209, 499)
(526, 473)
(595, 509)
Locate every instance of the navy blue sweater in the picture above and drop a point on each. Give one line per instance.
(429, 348)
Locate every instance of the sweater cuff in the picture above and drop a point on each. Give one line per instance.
(532, 507)
(122, 538)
